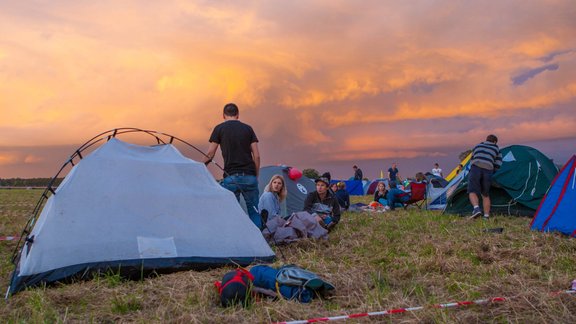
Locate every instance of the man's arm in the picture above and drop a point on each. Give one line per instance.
(309, 201)
(256, 156)
(211, 152)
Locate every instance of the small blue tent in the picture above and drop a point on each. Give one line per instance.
(557, 210)
(354, 187)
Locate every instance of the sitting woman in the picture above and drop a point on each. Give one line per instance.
(380, 195)
(342, 196)
(323, 203)
(334, 187)
(274, 194)
(396, 195)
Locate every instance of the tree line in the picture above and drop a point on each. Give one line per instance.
(32, 182)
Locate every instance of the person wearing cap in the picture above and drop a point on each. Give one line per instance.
(323, 203)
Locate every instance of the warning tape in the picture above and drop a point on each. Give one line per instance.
(410, 309)
(9, 238)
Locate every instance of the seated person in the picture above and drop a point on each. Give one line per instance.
(342, 196)
(380, 195)
(334, 187)
(323, 203)
(396, 195)
(274, 194)
(419, 178)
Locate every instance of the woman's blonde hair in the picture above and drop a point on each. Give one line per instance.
(284, 192)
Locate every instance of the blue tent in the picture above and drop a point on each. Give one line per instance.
(354, 187)
(556, 211)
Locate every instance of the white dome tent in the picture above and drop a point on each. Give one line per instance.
(134, 209)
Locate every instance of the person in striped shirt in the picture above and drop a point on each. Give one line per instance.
(486, 159)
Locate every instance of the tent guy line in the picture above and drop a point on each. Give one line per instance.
(416, 308)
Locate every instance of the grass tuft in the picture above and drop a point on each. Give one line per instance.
(377, 261)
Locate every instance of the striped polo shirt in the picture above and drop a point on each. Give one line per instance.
(486, 155)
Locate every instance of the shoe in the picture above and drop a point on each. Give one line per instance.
(476, 212)
(485, 217)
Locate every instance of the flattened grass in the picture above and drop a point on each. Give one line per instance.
(377, 261)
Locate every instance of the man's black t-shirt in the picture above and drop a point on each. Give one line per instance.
(235, 139)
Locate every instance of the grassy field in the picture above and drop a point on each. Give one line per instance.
(377, 261)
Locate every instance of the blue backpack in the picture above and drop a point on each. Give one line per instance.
(291, 282)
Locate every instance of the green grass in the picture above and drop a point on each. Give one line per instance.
(377, 261)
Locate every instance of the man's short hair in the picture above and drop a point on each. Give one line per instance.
(492, 138)
(355, 167)
(231, 110)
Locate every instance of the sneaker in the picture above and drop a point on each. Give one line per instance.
(476, 212)
(485, 217)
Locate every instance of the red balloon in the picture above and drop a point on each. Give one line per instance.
(294, 174)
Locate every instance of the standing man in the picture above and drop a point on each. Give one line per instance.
(486, 159)
(357, 173)
(393, 173)
(239, 146)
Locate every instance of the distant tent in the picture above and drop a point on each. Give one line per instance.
(372, 186)
(454, 172)
(435, 181)
(297, 189)
(353, 187)
(517, 188)
(557, 212)
(135, 209)
(437, 197)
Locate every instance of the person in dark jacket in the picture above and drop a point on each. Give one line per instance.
(357, 173)
(342, 196)
(323, 203)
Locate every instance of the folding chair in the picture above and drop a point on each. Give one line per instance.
(417, 196)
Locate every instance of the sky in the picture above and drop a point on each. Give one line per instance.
(325, 84)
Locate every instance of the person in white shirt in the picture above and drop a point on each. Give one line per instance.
(437, 171)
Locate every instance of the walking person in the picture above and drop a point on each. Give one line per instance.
(239, 146)
(486, 159)
(357, 173)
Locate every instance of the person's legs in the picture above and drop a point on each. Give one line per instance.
(485, 190)
(473, 199)
(249, 186)
(393, 197)
(231, 184)
(474, 189)
(486, 204)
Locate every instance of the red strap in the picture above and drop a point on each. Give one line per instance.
(237, 278)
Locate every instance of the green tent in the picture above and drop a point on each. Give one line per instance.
(517, 187)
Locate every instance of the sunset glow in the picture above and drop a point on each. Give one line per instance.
(325, 84)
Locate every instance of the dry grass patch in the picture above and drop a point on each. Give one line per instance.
(376, 261)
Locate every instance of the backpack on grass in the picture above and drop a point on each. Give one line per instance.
(235, 287)
(291, 282)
